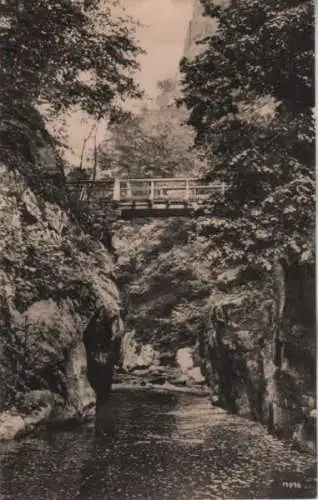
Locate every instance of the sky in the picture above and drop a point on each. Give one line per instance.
(162, 34)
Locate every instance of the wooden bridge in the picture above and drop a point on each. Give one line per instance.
(133, 198)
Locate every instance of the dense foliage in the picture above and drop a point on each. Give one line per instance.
(250, 94)
(57, 57)
(66, 53)
(163, 279)
(152, 143)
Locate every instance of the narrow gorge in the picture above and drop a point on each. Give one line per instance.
(157, 250)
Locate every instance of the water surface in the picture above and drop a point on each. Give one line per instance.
(156, 446)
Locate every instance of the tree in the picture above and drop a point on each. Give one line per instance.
(250, 94)
(66, 53)
(152, 143)
(163, 284)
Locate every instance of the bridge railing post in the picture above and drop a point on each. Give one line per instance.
(152, 190)
(129, 191)
(116, 193)
(187, 192)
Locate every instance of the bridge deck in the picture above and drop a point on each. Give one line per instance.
(161, 197)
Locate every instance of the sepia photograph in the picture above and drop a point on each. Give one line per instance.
(157, 250)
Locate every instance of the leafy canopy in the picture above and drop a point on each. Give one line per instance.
(152, 143)
(66, 53)
(250, 94)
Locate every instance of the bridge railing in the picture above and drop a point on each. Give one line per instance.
(86, 195)
(175, 189)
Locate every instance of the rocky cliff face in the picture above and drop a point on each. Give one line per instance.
(55, 281)
(258, 355)
(199, 27)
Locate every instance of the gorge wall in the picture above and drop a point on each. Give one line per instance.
(258, 354)
(59, 304)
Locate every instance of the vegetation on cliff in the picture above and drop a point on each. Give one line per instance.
(54, 275)
(250, 94)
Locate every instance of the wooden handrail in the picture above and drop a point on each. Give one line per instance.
(174, 189)
(163, 179)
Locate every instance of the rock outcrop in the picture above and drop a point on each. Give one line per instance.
(258, 355)
(135, 355)
(143, 365)
(199, 27)
(55, 278)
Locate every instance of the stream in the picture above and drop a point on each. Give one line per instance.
(149, 445)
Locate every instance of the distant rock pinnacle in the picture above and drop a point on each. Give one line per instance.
(199, 27)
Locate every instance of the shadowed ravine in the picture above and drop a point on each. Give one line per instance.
(153, 446)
